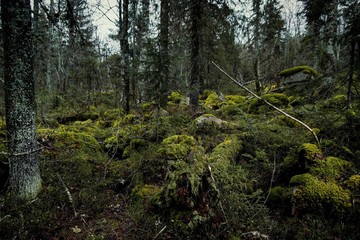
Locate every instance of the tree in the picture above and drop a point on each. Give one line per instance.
(164, 64)
(25, 181)
(352, 39)
(196, 81)
(125, 51)
(256, 24)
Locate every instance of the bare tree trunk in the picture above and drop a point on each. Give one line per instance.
(124, 45)
(25, 181)
(163, 66)
(196, 82)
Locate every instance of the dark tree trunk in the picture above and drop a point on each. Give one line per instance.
(196, 82)
(25, 181)
(164, 53)
(125, 51)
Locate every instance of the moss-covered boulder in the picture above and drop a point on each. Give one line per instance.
(330, 168)
(177, 146)
(313, 194)
(79, 155)
(213, 101)
(335, 102)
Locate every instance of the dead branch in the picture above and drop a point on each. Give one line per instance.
(271, 105)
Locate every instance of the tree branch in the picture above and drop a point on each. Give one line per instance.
(271, 105)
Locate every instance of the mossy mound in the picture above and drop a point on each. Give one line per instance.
(213, 101)
(313, 194)
(79, 153)
(331, 168)
(177, 146)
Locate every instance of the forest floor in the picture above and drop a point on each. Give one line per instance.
(235, 169)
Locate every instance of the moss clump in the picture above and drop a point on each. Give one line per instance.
(147, 193)
(335, 102)
(294, 70)
(177, 146)
(2, 129)
(330, 168)
(224, 153)
(312, 193)
(354, 183)
(279, 195)
(213, 101)
(235, 99)
(135, 145)
(277, 99)
(174, 98)
(308, 153)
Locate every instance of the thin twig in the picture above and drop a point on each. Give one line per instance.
(160, 232)
(68, 194)
(271, 105)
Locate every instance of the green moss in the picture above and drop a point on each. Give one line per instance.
(277, 99)
(280, 194)
(354, 183)
(309, 152)
(146, 193)
(112, 114)
(213, 101)
(135, 145)
(335, 102)
(235, 99)
(224, 153)
(175, 97)
(177, 146)
(294, 70)
(313, 194)
(330, 168)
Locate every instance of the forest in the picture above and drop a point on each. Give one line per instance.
(190, 119)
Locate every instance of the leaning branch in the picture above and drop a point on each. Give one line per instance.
(271, 105)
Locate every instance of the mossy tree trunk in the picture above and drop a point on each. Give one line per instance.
(25, 181)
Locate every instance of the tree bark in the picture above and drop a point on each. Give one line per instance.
(25, 181)
(125, 51)
(164, 53)
(196, 82)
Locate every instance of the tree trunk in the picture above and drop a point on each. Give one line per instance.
(163, 66)
(124, 45)
(25, 181)
(196, 82)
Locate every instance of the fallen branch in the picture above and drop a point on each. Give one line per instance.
(68, 194)
(20, 154)
(271, 105)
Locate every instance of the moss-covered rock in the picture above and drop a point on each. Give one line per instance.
(294, 70)
(313, 194)
(177, 146)
(213, 101)
(330, 168)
